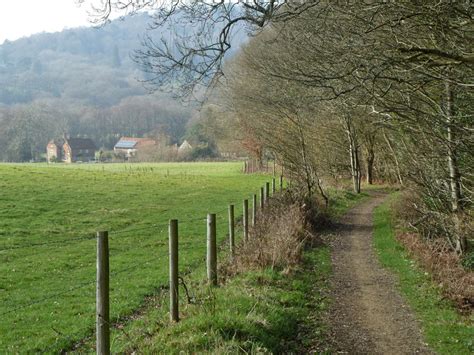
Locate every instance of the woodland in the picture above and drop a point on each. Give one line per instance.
(381, 92)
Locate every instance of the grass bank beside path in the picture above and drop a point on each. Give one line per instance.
(444, 329)
(341, 200)
(255, 312)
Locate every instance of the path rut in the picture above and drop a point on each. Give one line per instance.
(368, 315)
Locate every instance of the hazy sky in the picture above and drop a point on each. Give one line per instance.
(19, 18)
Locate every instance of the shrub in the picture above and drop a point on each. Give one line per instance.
(468, 261)
(432, 223)
(444, 266)
(279, 237)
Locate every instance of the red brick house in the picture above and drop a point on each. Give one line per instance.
(53, 151)
(70, 150)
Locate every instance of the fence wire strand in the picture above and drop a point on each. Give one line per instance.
(63, 242)
(42, 300)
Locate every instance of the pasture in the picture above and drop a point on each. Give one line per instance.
(48, 218)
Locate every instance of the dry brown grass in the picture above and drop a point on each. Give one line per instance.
(278, 239)
(435, 222)
(444, 267)
(429, 244)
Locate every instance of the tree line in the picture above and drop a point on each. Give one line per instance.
(25, 129)
(381, 90)
(334, 88)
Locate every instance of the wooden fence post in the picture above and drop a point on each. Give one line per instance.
(173, 258)
(246, 220)
(211, 249)
(231, 230)
(102, 295)
(281, 183)
(262, 198)
(267, 192)
(254, 210)
(273, 186)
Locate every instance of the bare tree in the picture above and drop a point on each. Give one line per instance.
(194, 35)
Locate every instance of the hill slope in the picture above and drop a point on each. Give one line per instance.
(84, 82)
(91, 65)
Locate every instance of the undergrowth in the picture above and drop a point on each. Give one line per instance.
(449, 270)
(278, 239)
(445, 330)
(444, 267)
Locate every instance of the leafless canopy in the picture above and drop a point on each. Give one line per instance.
(193, 36)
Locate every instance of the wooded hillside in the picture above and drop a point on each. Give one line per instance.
(83, 82)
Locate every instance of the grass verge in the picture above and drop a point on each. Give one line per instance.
(445, 330)
(259, 311)
(340, 201)
(271, 302)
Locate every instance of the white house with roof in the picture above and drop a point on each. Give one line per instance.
(130, 145)
(184, 147)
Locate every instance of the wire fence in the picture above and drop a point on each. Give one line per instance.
(140, 236)
(91, 236)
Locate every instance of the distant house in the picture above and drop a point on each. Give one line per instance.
(78, 149)
(69, 150)
(184, 147)
(54, 151)
(130, 145)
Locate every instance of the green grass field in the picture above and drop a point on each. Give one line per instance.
(49, 214)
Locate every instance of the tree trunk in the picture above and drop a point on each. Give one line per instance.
(454, 175)
(395, 159)
(370, 166)
(259, 161)
(307, 167)
(354, 155)
(358, 172)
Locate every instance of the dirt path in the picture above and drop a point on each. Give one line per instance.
(368, 315)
